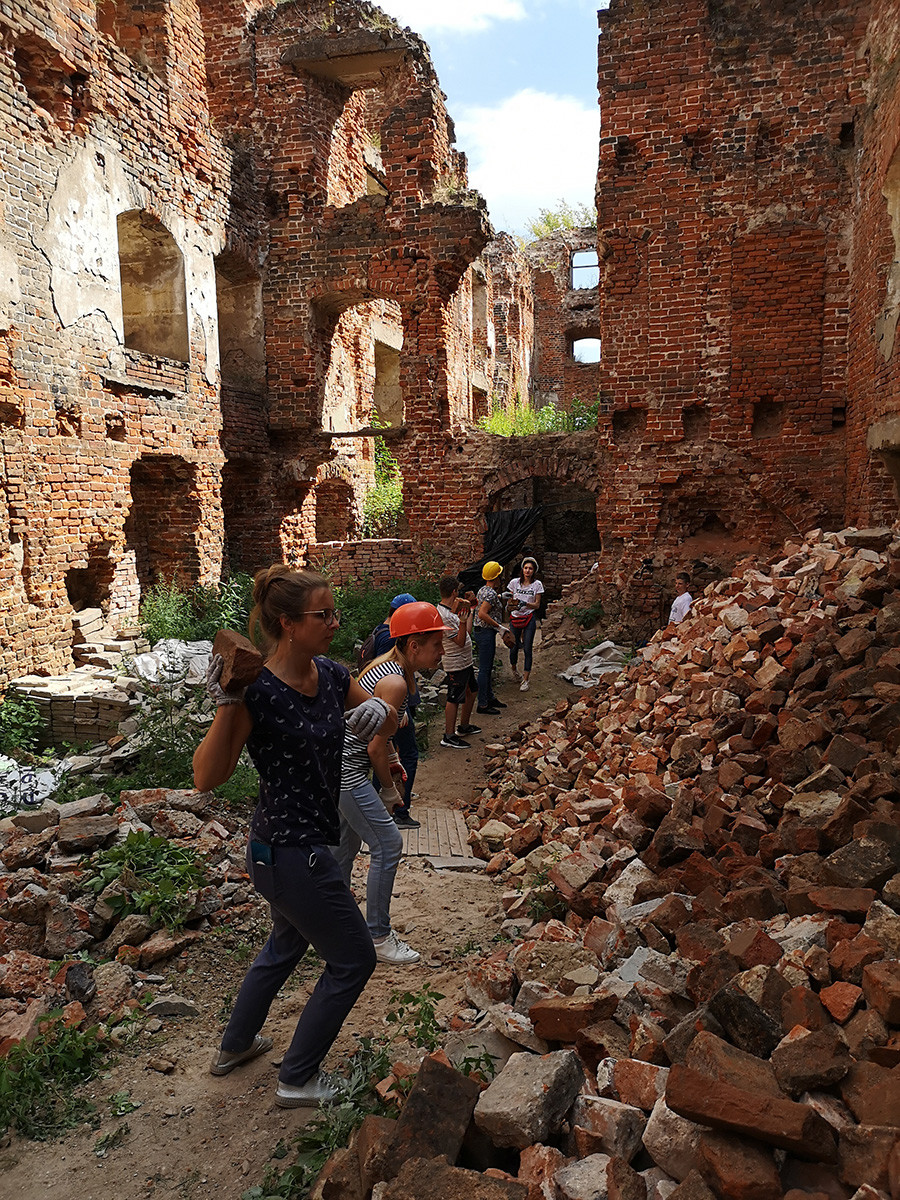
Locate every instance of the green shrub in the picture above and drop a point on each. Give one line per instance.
(20, 725)
(363, 607)
(38, 1080)
(518, 418)
(198, 613)
(383, 503)
(158, 877)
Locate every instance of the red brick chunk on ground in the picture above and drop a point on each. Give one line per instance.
(841, 1000)
(881, 985)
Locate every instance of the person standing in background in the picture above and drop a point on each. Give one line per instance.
(525, 591)
(682, 602)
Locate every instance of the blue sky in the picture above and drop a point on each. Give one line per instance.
(521, 84)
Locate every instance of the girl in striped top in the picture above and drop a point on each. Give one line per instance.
(418, 630)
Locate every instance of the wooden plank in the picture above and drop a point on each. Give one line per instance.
(442, 832)
(458, 845)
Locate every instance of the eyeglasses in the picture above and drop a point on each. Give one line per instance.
(331, 616)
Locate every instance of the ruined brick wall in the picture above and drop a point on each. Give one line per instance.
(724, 188)
(109, 411)
(873, 419)
(565, 313)
(513, 318)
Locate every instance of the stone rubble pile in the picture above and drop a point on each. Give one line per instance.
(48, 914)
(87, 705)
(713, 1010)
(97, 643)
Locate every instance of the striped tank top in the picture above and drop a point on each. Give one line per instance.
(356, 764)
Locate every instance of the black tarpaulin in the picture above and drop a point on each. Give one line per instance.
(507, 533)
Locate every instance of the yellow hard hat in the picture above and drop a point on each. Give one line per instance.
(491, 570)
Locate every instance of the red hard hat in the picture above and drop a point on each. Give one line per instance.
(419, 617)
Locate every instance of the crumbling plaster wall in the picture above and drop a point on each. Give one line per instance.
(89, 134)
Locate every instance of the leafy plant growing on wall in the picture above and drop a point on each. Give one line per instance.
(383, 505)
(518, 418)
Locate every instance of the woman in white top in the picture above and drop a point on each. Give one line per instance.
(525, 592)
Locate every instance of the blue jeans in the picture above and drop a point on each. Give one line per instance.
(524, 636)
(311, 906)
(486, 643)
(365, 819)
(408, 750)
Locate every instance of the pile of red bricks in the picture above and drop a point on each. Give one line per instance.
(718, 836)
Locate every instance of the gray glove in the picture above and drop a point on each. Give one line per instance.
(368, 718)
(214, 689)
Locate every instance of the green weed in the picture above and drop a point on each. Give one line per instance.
(415, 1015)
(21, 725)
(39, 1080)
(383, 503)
(159, 878)
(109, 1141)
(197, 613)
(518, 418)
(121, 1104)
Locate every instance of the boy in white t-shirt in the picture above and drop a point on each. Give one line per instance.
(682, 602)
(525, 599)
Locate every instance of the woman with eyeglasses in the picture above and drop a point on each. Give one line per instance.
(418, 632)
(292, 720)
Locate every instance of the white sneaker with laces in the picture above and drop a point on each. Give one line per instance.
(523, 686)
(392, 950)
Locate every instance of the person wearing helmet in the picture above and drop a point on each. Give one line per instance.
(488, 620)
(418, 633)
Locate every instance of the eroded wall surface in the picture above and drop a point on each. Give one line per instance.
(726, 199)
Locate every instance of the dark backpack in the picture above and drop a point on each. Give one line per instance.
(366, 652)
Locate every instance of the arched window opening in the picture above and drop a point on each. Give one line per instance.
(586, 350)
(154, 297)
(585, 269)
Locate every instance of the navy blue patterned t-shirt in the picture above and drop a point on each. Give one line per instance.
(296, 745)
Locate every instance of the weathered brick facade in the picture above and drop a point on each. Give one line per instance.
(233, 234)
(219, 227)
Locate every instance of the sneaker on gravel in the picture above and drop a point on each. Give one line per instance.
(498, 703)
(456, 743)
(318, 1090)
(392, 950)
(467, 730)
(523, 686)
(227, 1060)
(491, 711)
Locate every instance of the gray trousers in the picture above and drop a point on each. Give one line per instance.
(311, 906)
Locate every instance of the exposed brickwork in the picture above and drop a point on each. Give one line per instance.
(724, 189)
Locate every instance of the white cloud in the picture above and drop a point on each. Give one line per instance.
(528, 152)
(458, 16)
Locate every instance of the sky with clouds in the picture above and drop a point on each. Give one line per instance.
(521, 84)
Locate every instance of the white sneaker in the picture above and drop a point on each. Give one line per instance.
(393, 950)
(523, 686)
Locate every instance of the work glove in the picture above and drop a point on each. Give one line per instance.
(214, 689)
(368, 718)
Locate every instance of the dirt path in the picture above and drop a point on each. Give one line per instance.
(197, 1136)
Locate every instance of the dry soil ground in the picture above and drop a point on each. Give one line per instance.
(196, 1135)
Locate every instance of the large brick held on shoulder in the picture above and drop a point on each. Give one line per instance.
(242, 661)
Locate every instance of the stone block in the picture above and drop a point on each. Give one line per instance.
(841, 999)
(559, 1018)
(805, 1060)
(692, 1188)
(881, 985)
(872, 1094)
(783, 1123)
(435, 1116)
(373, 1139)
(490, 982)
(529, 1099)
(623, 1182)
(433, 1179)
(737, 1168)
(639, 1083)
(81, 835)
(710, 1055)
(746, 1024)
(242, 661)
(864, 1155)
(617, 1127)
(672, 1141)
(23, 974)
(583, 1180)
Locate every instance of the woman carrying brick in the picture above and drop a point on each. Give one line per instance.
(292, 721)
